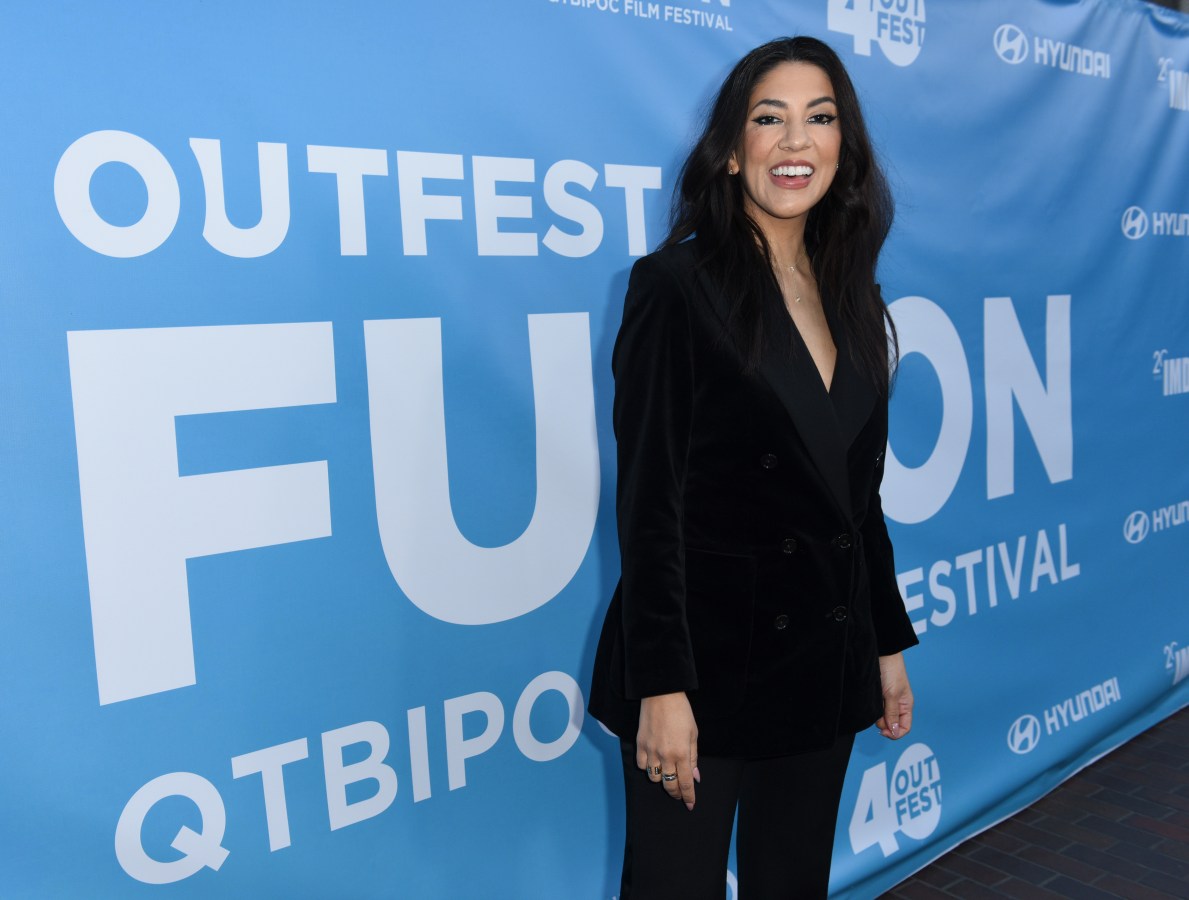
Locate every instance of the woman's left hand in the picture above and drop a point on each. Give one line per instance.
(896, 720)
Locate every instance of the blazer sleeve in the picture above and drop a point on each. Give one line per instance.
(893, 628)
(652, 414)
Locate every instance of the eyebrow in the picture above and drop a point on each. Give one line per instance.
(780, 104)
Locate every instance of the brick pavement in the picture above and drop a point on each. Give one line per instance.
(1117, 829)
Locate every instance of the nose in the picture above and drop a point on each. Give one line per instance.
(796, 136)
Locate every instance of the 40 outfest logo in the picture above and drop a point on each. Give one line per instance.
(908, 803)
(898, 26)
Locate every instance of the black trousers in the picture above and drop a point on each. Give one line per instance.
(787, 808)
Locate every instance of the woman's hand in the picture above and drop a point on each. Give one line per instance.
(668, 739)
(896, 720)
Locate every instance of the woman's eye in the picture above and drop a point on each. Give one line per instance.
(823, 119)
(766, 120)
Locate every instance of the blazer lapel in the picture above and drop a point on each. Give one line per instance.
(852, 395)
(794, 379)
(791, 374)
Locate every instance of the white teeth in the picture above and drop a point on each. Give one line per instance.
(792, 170)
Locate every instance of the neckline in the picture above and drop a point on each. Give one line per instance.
(804, 347)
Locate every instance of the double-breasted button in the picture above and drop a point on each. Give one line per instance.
(842, 542)
(768, 460)
(788, 545)
(839, 613)
(781, 622)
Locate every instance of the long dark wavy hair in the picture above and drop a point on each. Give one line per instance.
(844, 232)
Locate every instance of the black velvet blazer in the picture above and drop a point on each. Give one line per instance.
(757, 573)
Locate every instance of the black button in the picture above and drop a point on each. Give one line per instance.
(782, 622)
(768, 461)
(842, 542)
(839, 613)
(789, 545)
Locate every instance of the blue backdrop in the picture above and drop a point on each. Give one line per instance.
(307, 468)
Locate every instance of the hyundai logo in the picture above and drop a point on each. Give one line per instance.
(1135, 529)
(1135, 223)
(1024, 735)
(1011, 44)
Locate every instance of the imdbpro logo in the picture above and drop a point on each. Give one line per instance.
(1011, 44)
(1024, 735)
(1135, 223)
(1135, 529)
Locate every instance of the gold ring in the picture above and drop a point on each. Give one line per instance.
(654, 770)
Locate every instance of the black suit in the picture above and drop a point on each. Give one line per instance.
(757, 573)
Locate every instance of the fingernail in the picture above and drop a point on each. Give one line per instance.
(697, 775)
(895, 727)
(690, 807)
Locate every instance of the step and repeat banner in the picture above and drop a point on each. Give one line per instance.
(306, 463)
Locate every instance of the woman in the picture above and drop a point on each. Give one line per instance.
(757, 625)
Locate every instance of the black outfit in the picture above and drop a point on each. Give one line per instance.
(787, 808)
(757, 573)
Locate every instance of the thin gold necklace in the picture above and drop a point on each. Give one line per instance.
(796, 292)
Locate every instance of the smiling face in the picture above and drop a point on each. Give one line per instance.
(788, 151)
